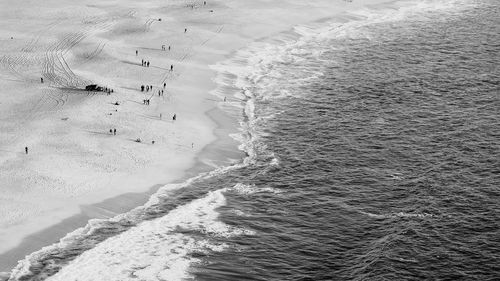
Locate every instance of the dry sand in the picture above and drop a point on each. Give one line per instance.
(73, 160)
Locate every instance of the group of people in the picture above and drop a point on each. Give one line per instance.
(108, 90)
(143, 87)
(147, 88)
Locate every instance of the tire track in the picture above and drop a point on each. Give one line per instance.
(55, 67)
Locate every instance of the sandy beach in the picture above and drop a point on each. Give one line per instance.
(75, 168)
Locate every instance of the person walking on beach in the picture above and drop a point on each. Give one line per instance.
(185, 30)
(171, 67)
(114, 132)
(142, 88)
(41, 80)
(169, 48)
(159, 93)
(142, 62)
(26, 149)
(174, 117)
(148, 63)
(136, 52)
(147, 88)
(160, 116)
(164, 85)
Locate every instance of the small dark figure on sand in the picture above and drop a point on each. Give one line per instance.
(114, 132)
(171, 67)
(110, 131)
(147, 88)
(185, 30)
(169, 48)
(41, 79)
(174, 117)
(26, 149)
(142, 88)
(164, 85)
(136, 52)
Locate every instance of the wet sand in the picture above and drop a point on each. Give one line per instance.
(76, 170)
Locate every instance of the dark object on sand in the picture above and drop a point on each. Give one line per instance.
(138, 140)
(26, 149)
(94, 88)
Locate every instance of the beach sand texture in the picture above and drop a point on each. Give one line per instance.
(73, 160)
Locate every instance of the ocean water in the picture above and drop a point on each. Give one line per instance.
(373, 153)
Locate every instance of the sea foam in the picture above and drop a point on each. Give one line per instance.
(155, 250)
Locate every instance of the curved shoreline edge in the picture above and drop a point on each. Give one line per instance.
(216, 150)
(222, 147)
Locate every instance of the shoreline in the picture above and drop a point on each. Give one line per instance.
(215, 150)
(124, 202)
(154, 168)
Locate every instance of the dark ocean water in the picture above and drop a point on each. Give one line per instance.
(389, 163)
(373, 154)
